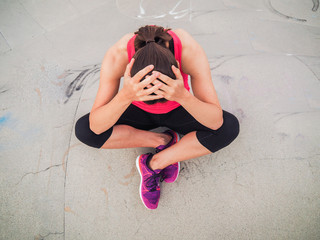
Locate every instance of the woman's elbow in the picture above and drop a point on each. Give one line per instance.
(93, 126)
(217, 124)
(94, 130)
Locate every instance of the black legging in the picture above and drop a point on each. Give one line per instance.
(178, 120)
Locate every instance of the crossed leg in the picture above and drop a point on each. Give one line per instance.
(124, 136)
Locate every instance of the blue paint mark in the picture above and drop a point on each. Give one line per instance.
(4, 119)
(16, 132)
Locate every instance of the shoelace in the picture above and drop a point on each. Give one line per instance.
(152, 181)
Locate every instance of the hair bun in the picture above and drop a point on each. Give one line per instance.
(148, 34)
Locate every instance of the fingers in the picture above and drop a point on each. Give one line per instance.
(139, 75)
(127, 73)
(165, 88)
(177, 72)
(160, 93)
(151, 90)
(148, 80)
(147, 88)
(167, 80)
(150, 97)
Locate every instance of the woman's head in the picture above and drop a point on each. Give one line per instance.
(150, 46)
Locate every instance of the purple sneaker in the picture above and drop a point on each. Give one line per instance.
(170, 173)
(150, 182)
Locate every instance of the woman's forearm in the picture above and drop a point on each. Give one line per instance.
(208, 114)
(106, 116)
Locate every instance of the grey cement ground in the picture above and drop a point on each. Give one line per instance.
(265, 61)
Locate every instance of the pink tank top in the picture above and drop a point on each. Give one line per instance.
(160, 108)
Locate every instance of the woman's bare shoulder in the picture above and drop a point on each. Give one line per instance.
(184, 36)
(121, 45)
(118, 51)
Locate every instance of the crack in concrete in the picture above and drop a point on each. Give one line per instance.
(58, 165)
(40, 237)
(285, 115)
(297, 57)
(272, 9)
(224, 61)
(67, 154)
(32, 17)
(6, 42)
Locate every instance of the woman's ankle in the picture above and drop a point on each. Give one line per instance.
(165, 138)
(154, 163)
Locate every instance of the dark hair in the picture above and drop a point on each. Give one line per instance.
(151, 49)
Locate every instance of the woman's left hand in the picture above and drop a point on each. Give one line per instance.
(174, 89)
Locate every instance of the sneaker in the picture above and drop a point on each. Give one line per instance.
(150, 182)
(170, 173)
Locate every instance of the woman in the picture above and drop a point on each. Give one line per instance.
(155, 63)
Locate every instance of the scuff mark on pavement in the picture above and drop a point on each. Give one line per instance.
(39, 94)
(80, 79)
(315, 5)
(106, 193)
(129, 176)
(132, 172)
(3, 90)
(68, 209)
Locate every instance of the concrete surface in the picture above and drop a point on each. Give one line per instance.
(265, 61)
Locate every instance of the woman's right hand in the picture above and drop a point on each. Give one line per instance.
(134, 90)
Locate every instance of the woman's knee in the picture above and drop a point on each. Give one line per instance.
(86, 136)
(216, 140)
(81, 127)
(231, 126)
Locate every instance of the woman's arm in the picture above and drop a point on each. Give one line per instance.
(204, 105)
(107, 108)
(110, 104)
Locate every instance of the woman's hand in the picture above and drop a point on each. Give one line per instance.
(174, 90)
(134, 90)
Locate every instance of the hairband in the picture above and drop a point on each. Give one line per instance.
(149, 41)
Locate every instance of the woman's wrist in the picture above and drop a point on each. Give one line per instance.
(185, 97)
(123, 97)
